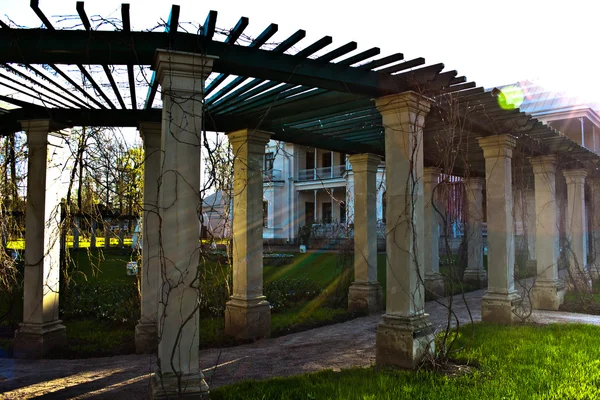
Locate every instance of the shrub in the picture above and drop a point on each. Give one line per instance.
(115, 301)
(284, 292)
(277, 259)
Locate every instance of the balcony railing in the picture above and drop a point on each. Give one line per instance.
(321, 173)
(272, 175)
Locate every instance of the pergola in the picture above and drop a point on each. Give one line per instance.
(340, 99)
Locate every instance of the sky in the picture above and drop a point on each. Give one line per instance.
(492, 43)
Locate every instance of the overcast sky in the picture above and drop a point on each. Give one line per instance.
(554, 43)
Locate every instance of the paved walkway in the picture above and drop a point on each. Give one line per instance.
(337, 346)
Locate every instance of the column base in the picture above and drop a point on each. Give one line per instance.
(579, 281)
(403, 341)
(500, 308)
(365, 297)
(476, 277)
(167, 386)
(37, 340)
(146, 337)
(248, 318)
(434, 286)
(548, 295)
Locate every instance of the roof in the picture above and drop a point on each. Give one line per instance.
(305, 93)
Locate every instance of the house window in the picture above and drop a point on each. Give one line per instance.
(327, 159)
(326, 207)
(265, 214)
(310, 160)
(269, 161)
(309, 212)
(342, 212)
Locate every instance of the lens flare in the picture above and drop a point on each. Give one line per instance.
(510, 97)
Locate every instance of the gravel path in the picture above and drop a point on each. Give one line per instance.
(337, 346)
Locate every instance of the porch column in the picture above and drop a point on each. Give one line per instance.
(531, 228)
(145, 330)
(501, 298)
(595, 223)
(181, 76)
(404, 335)
(248, 313)
(576, 226)
(475, 273)
(548, 290)
(41, 330)
(434, 281)
(365, 292)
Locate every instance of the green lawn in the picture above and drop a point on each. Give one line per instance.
(101, 264)
(508, 362)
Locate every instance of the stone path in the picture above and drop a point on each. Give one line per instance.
(337, 346)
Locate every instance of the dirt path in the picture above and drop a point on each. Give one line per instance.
(337, 346)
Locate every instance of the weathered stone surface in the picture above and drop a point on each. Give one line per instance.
(403, 341)
(365, 297)
(434, 285)
(146, 340)
(548, 295)
(171, 386)
(500, 308)
(37, 340)
(248, 319)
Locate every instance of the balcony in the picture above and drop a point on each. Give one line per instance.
(321, 173)
(272, 175)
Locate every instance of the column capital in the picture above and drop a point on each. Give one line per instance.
(182, 71)
(364, 162)
(475, 183)
(150, 133)
(496, 146)
(249, 136)
(543, 164)
(407, 101)
(431, 174)
(36, 129)
(575, 175)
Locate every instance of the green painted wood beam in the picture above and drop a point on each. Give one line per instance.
(33, 46)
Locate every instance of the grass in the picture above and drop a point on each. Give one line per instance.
(514, 362)
(101, 264)
(587, 304)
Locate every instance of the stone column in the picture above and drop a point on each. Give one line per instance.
(434, 281)
(530, 225)
(365, 292)
(501, 299)
(475, 273)
(595, 216)
(248, 313)
(145, 330)
(405, 335)
(576, 227)
(548, 290)
(41, 330)
(181, 76)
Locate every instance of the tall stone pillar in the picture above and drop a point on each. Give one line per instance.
(41, 330)
(434, 281)
(595, 223)
(181, 76)
(248, 313)
(145, 330)
(530, 226)
(365, 292)
(475, 273)
(548, 290)
(405, 335)
(576, 226)
(501, 299)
